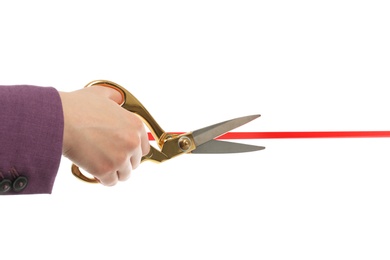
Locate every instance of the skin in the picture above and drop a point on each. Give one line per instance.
(101, 137)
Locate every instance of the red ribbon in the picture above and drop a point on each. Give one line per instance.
(286, 135)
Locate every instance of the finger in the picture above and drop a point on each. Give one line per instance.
(135, 159)
(145, 145)
(124, 171)
(109, 179)
(109, 92)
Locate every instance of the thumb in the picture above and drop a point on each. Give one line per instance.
(108, 92)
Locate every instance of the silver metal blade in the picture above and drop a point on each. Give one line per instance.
(215, 146)
(208, 133)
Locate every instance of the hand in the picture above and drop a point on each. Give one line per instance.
(100, 136)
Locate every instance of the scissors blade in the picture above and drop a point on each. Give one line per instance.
(215, 146)
(208, 133)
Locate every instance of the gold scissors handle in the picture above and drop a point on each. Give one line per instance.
(132, 104)
(170, 144)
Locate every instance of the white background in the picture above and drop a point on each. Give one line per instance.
(303, 65)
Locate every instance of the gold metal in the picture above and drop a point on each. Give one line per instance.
(171, 145)
(76, 172)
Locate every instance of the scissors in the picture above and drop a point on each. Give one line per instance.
(173, 144)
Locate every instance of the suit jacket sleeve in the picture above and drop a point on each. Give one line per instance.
(31, 135)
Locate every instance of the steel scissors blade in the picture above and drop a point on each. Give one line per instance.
(205, 142)
(171, 144)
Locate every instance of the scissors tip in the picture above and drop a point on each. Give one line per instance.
(251, 117)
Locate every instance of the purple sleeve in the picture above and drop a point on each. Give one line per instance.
(31, 133)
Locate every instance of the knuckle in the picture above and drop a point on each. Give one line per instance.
(134, 121)
(137, 123)
(109, 181)
(104, 169)
(133, 142)
(106, 174)
(120, 159)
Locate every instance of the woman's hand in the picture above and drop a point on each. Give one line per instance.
(100, 136)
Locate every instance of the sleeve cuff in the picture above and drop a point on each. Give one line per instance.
(31, 136)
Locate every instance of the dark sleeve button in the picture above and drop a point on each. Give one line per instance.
(5, 186)
(20, 183)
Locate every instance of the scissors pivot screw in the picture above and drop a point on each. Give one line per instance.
(184, 143)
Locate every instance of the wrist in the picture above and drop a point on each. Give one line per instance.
(66, 137)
